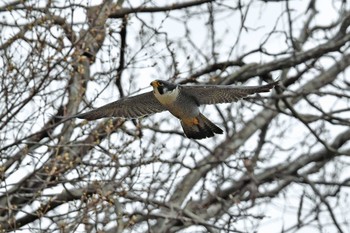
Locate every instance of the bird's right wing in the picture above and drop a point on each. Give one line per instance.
(129, 107)
(216, 94)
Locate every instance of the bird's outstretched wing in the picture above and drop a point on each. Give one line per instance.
(215, 94)
(129, 107)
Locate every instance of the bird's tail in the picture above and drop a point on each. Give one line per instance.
(199, 127)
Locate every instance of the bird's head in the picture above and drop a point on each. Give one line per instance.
(162, 87)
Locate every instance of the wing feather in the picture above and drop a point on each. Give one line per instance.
(129, 107)
(215, 94)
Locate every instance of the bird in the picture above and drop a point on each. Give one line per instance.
(182, 101)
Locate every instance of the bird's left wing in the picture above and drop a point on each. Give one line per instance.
(129, 107)
(215, 94)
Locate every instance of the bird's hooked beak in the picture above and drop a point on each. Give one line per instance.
(155, 84)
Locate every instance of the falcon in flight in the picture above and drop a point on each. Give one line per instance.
(181, 101)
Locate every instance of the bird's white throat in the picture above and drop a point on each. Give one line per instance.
(167, 98)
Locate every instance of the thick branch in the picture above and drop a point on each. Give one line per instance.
(122, 12)
(293, 60)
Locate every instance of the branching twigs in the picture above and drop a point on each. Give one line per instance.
(231, 145)
(111, 179)
(324, 201)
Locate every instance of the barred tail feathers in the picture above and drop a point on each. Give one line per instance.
(199, 127)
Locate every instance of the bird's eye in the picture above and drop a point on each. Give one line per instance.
(156, 83)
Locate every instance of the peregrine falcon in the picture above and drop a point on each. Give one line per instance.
(181, 101)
